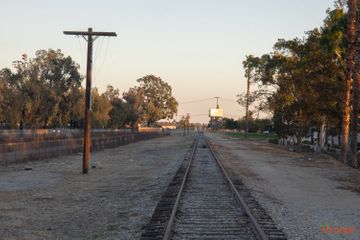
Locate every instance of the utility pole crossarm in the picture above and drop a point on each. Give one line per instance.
(88, 33)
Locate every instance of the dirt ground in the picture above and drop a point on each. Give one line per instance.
(54, 200)
(310, 196)
(306, 194)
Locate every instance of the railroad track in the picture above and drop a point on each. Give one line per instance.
(202, 202)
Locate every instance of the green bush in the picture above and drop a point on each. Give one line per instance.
(274, 140)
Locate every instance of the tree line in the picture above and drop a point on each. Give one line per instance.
(254, 125)
(311, 83)
(46, 92)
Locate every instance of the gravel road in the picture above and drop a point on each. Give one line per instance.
(308, 195)
(54, 200)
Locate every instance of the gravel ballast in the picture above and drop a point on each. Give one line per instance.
(53, 200)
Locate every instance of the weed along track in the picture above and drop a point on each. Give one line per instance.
(203, 203)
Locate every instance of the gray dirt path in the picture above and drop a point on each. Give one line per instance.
(303, 193)
(55, 201)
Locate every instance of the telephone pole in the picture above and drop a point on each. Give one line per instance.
(217, 102)
(90, 37)
(187, 122)
(247, 104)
(184, 118)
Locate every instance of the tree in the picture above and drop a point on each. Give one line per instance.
(158, 100)
(118, 113)
(301, 82)
(11, 102)
(229, 123)
(248, 65)
(111, 93)
(356, 90)
(100, 109)
(298, 70)
(74, 102)
(288, 70)
(255, 68)
(41, 89)
(256, 125)
(350, 62)
(61, 79)
(134, 99)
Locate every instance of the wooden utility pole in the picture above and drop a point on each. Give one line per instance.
(247, 104)
(187, 122)
(214, 118)
(184, 118)
(90, 37)
(217, 102)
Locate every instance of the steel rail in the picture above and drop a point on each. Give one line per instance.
(256, 226)
(169, 226)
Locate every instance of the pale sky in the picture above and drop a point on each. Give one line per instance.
(197, 46)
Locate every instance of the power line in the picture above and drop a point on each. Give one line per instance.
(232, 116)
(200, 114)
(97, 49)
(229, 100)
(81, 52)
(196, 101)
(99, 67)
(208, 99)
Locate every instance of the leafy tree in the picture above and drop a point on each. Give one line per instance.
(111, 93)
(289, 74)
(134, 99)
(40, 90)
(229, 123)
(257, 125)
(256, 70)
(100, 108)
(118, 113)
(11, 102)
(158, 100)
(355, 84)
(302, 79)
(350, 63)
(74, 101)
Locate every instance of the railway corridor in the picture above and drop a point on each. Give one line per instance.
(202, 202)
(208, 208)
